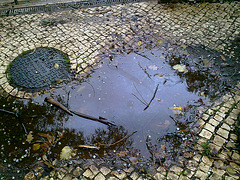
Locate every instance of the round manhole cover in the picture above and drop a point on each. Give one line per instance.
(39, 68)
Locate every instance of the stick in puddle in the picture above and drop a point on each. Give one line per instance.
(54, 102)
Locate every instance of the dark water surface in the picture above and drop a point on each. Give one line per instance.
(117, 90)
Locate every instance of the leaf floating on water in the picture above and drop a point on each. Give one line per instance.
(139, 43)
(123, 153)
(56, 66)
(223, 58)
(59, 81)
(159, 100)
(180, 68)
(67, 153)
(183, 46)
(164, 125)
(29, 137)
(153, 67)
(177, 108)
(36, 146)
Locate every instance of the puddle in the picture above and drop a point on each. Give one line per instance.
(118, 90)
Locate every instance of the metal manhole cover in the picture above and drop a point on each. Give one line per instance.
(39, 68)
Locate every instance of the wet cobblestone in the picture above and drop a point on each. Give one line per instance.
(83, 34)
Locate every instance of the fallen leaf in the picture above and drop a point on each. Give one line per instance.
(183, 46)
(163, 147)
(223, 58)
(49, 137)
(160, 75)
(164, 125)
(56, 66)
(123, 153)
(180, 67)
(67, 153)
(159, 100)
(59, 81)
(45, 147)
(36, 146)
(153, 67)
(139, 43)
(29, 137)
(177, 108)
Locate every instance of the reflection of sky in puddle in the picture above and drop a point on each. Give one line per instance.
(109, 93)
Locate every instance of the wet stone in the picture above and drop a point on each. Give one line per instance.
(200, 174)
(219, 140)
(213, 122)
(206, 134)
(134, 176)
(105, 170)
(88, 174)
(100, 176)
(157, 176)
(222, 132)
(209, 127)
(120, 175)
(172, 176)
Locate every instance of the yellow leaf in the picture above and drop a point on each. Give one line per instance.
(67, 153)
(223, 58)
(29, 137)
(36, 146)
(139, 43)
(56, 66)
(177, 108)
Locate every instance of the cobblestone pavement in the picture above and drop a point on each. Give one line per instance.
(83, 34)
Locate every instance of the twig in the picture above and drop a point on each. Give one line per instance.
(19, 119)
(142, 55)
(144, 70)
(125, 137)
(152, 98)
(92, 118)
(140, 94)
(140, 100)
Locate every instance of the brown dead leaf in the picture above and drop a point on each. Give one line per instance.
(163, 147)
(123, 153)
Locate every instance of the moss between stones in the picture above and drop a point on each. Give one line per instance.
(8, 71)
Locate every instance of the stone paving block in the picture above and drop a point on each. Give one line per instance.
(207, 161)
(204, 167)
(222, 132)
(229, 121)
(219, 141)
(226, 127)
(134, 175)
(205, 133)
(213, 122)
(177, 170)
(94, 169)
(218, 118)
(88, 174)
(100, 176)
(158, 176)
(105, 170)
(201, 175)
(209, 127)
(233, 137)
(233, 115)
(172, 176)
(120, 175)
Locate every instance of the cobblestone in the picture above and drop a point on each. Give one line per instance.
(85, 34)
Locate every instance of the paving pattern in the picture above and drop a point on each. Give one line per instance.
(87, 35)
